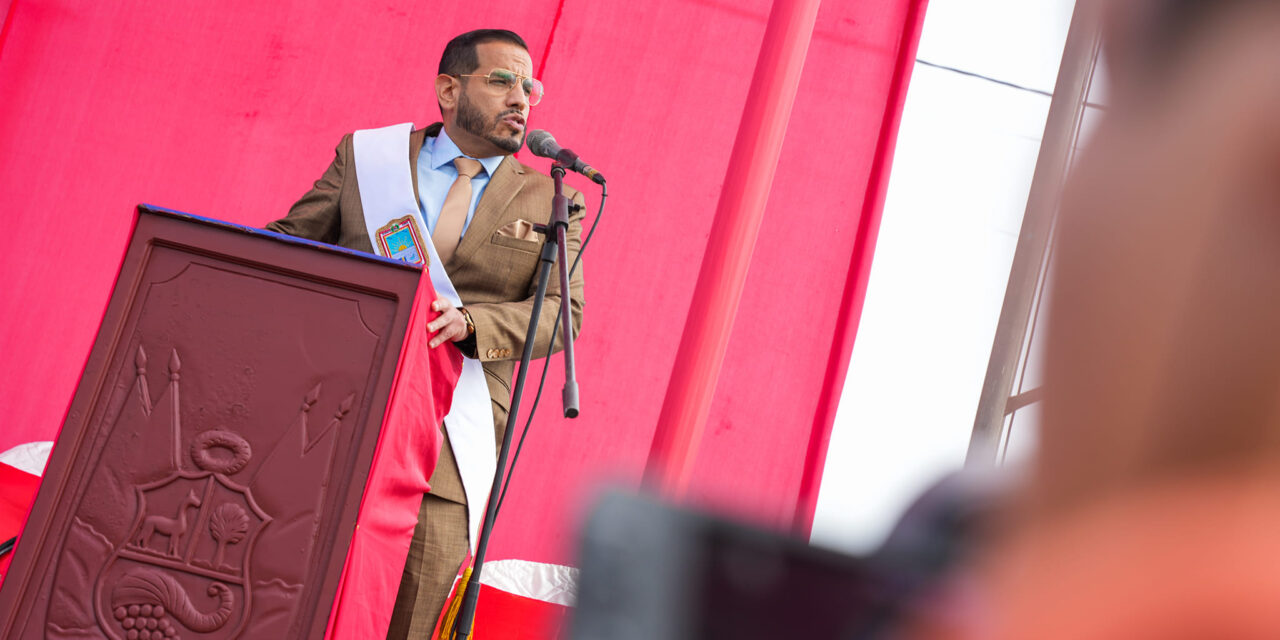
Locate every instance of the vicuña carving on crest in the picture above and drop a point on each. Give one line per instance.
(175, 528)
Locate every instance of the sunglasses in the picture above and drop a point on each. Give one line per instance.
(500, 81)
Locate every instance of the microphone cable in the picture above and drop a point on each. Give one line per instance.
(546, 360)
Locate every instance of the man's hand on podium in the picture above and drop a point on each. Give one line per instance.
(449, 325)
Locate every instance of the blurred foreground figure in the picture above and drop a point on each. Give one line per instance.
(651, 570)
(1153, 510)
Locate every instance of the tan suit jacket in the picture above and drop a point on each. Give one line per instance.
(493, 269)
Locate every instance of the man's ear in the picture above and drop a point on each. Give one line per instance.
(447, 90)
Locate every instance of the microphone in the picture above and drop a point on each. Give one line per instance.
(543, 144)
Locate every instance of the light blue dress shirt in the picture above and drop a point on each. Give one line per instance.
(436, 175)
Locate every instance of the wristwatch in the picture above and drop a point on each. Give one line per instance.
(471, 325)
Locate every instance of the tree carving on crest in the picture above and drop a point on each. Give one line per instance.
(228, 525)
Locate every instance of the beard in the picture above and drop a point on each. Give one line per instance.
(471, 120)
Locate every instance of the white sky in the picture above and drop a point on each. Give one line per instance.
(963, 166)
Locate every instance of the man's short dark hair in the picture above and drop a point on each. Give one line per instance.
(460, 54)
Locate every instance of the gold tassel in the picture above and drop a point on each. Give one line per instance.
(446, 628)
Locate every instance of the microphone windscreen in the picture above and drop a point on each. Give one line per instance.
(541, 143)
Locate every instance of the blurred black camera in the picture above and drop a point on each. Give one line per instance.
(650, 571)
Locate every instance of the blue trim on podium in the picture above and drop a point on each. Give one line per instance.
(272, 235)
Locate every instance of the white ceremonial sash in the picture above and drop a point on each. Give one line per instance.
(386, 193)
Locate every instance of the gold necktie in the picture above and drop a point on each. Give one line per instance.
(453, 215)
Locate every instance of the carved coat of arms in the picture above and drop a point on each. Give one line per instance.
(185, 563)
(194, 534)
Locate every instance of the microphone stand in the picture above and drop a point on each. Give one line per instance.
(553, 250)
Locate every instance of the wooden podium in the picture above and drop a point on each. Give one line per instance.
(221, 452)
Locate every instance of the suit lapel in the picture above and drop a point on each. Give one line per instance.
(506, 182)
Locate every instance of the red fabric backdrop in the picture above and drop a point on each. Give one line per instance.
(231, 109)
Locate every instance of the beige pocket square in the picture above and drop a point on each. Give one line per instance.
(520, 230)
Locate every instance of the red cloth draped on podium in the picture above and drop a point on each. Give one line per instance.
(397, 479)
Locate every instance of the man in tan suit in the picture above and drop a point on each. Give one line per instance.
(485, 90)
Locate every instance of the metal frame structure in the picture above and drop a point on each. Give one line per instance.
(1002, 392)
